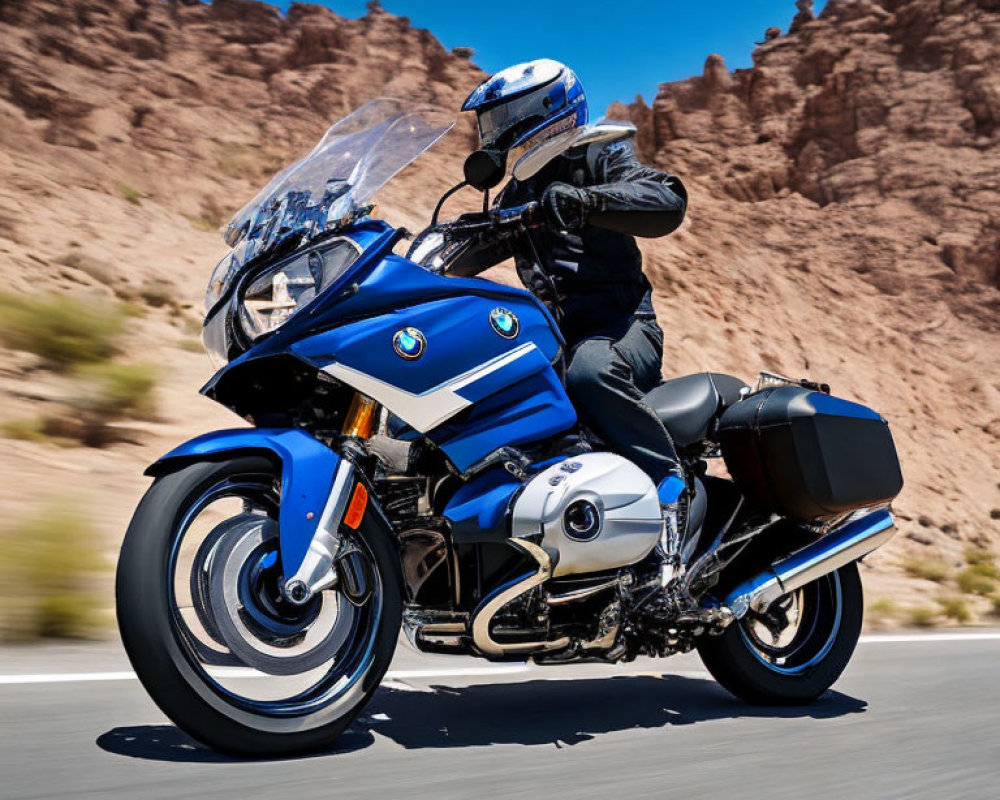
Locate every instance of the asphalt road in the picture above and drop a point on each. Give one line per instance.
(913, 717)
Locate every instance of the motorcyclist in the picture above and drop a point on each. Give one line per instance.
(595, 197)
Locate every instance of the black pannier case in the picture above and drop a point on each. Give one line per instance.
(807, 455)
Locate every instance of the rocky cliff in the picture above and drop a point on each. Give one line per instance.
(894, 103)
(842, 224)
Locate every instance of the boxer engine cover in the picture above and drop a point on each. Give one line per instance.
(599, 510)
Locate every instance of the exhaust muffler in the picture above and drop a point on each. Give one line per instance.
(846, 543)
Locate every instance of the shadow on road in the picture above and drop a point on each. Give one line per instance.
(567, 712)
(539, 712)
(169, 743)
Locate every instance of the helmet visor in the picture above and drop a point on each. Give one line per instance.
(502, 125)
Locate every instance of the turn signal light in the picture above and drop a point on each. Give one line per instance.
(362, 417)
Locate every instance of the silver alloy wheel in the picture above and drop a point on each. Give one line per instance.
(229, 611)
(250, 620)
(799, 629)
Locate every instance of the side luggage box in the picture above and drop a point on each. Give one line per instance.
(807, 455)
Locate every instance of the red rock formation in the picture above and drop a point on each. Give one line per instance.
(897, 100)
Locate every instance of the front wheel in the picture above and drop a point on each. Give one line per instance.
(794, 651)
(210, 634)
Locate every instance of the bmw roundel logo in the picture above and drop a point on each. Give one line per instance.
(504, 322)
(409, 343)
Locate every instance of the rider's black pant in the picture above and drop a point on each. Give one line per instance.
(607, 377)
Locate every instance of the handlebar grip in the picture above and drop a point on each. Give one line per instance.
(526, 213)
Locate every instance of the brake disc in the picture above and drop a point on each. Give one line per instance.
(259, 627)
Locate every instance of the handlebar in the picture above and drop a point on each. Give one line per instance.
(527, 214)
(495, 220)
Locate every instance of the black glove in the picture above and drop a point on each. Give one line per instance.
(567, 207)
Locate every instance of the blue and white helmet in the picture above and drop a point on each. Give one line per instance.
(527, 104)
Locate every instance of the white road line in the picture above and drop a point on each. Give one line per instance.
(68, 677)
(472, 672)
(895, 638)
(75, 677)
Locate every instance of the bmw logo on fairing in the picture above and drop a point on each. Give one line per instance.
(409, 343)
(504, 322)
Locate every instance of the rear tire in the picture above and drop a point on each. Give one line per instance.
(161, 657)
(811, 663)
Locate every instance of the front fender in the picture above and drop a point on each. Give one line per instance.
(307, 470)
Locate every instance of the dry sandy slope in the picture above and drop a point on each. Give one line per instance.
(808, 265)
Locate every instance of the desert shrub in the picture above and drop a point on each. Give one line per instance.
(156, 294)
(62, 330)
(249, 163)
(986, 570)
(29, 430)
(212, 217)
(995, 610)
(123, 390)
(955, 608)
(976, 555)
(131, 194)
(48, 564)
(922, 617)
(880, 613)
(981, 563)
(971, 580)
(883, 608)
(110, 392)
(202, 223)
(99, 270)
(927, 568)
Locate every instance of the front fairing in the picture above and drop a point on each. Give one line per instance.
(472, 391)
(229, 345)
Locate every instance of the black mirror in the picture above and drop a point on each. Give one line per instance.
(484, 169)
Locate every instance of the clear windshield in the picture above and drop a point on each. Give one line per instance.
(353, 160)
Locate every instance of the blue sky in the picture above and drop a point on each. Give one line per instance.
(618, 49)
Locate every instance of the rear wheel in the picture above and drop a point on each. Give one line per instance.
(210, 634)
(794, 651)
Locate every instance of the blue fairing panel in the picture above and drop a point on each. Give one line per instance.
(477, 510)
(472, 390)
(307, 470)
(525, 412)
(394, 282)
(455, 324)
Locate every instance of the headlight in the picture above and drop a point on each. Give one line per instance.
(278, 293)
(222, 276)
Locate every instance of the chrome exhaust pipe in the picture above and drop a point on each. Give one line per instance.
(483, 616)
(846, 543)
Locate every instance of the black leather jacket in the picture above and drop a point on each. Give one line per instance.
(597, 271)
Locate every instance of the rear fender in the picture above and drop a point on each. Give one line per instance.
(307, 472)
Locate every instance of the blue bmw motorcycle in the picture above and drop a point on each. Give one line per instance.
(412, 462)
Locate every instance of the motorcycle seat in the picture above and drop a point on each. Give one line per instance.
(688, 406)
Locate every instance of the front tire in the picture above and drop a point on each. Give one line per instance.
(182, 673)
(762, 662)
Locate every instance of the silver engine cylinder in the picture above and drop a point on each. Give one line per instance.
(599, 510)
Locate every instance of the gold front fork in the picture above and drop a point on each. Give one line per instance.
(362, 417)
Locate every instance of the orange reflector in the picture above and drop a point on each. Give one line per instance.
(356, 509)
